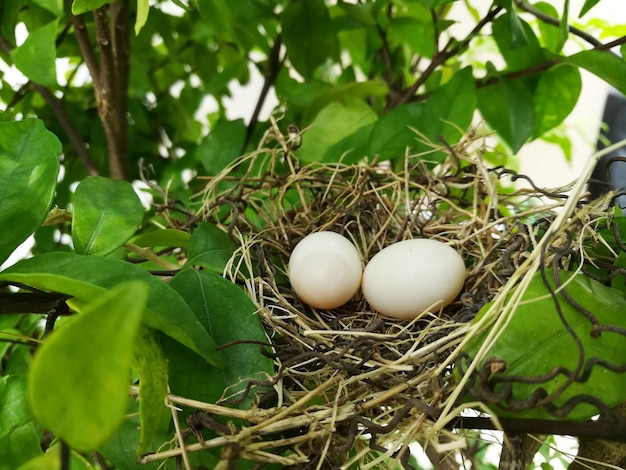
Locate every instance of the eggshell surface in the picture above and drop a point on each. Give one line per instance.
(408, 277)
(325, 270)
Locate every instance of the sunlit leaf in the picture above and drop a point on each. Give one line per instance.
(51, 460)
(82, 6)
(151, 365)
(78, 385)
(143, 9)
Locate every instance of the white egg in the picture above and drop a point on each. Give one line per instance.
(325, 270)
(408, 277)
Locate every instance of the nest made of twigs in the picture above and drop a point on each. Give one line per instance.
(353, 387)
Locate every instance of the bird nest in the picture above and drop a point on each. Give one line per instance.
(354, 389)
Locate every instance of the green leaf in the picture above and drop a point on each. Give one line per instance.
(36, 57)
(518, 52)
(162, 237)
(222, 146)
(416, 33)
(447, 112)
(555, 97)
(106, 214)
(217, 14)
(331, 125)
(508, 108)
(435, 3)
(21, 446)
(53, 6)
(519, 38)
(29, 165)
(536, 342)
(151, 364)
(344, 93)
(51, 460)
(230, 316)
(308, 51)
(210, 248)
(553, 37)
(78, 386)
(121, 449)
(603, 64)
(143, 9)
(14, 410)
(86, 277)
(589, 4)
(83, 6)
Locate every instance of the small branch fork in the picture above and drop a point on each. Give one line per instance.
(110, 70)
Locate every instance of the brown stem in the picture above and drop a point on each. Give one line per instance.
(110, 75)
(86, 49)
(271, 73)
(56, 105)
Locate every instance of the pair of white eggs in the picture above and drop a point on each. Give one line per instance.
(401, 281)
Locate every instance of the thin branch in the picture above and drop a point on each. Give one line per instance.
(105, 46)
(30, 302)
(70, 129)
(441, 58)
(551, 20)
(271, 73)
(601, 429)
(546, 65)
(86, 49)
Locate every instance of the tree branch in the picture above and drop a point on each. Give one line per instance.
(84, 44)
(110, 76)
(441, 58)
(551, 20)
(271, 73)
(70, 129)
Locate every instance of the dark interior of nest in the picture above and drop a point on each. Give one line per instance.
(351, 354)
